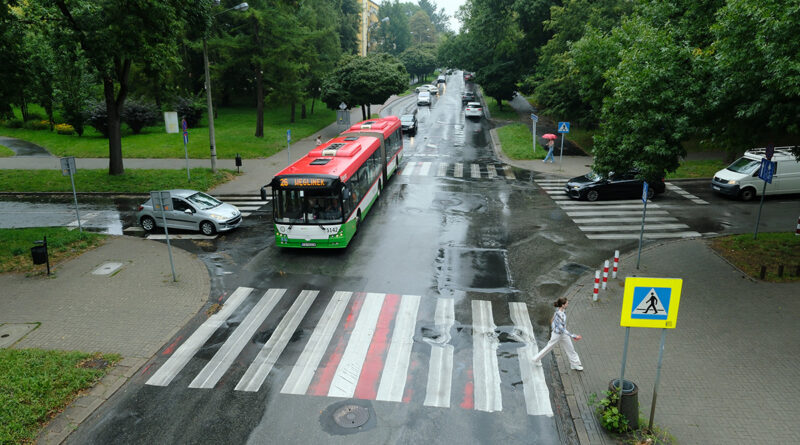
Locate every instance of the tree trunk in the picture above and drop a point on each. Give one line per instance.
(294, 108)
(23, 108)
(313, 100)
(363, 112)
(369, 111)
(259, 103)
(114, 106)
(303, 110)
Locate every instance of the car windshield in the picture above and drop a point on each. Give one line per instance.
(308, 207)
(407, 118)
(203, 201)
(592, 176)
(745, 166)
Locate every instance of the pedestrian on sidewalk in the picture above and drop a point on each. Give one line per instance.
(559, 333)
(319, 140)
(550, 145)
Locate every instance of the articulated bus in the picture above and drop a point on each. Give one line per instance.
(320, 200)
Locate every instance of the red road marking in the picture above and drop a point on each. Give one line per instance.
(469, 390)
(144, 371)
(324, 375)
(411, 372)
(367, 386)
(171, 348)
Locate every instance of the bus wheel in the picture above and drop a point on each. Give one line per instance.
(358, 220)
(380, 185)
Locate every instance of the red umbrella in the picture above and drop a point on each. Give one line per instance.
(549, 136)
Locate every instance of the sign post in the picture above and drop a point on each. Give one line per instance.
(288, 147)
(162, 202)
(563, 128)
(644, 212)
(343, 116)
(534, 119)
(185, 151)
(768, 167)
(649, 303)
(68, 169)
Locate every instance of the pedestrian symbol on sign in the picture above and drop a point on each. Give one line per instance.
(652, 303)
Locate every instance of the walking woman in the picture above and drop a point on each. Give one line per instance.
(559, 333)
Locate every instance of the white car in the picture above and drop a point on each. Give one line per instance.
(434, 89)
(424, 98)
(421, 88)
(473, 110)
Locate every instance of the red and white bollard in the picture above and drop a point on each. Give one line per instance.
(596, 285)
(605, 274)
(797, 232)
(616, 261)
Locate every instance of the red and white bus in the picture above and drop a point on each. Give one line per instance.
(320, 200)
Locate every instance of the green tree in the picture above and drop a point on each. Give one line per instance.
(438, 18)
(419, 60)
(394, 36)
(364, 81)
(421, 28)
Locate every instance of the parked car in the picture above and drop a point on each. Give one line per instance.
(593, 186)
(424, 98)
(441, 79)
(408, 123)
(473, 109)
(191, 210)
(467, 96)
(741, 179)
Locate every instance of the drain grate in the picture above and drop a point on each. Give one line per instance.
(351, 416)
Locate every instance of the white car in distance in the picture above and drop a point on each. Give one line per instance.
(473, 109)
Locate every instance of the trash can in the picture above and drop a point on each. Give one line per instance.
(630, 401)
(39, 254)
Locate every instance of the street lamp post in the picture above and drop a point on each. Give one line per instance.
(211, 137)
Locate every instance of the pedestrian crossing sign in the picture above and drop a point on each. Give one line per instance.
(651, 302)
(563, 127)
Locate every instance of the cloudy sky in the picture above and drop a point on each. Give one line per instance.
(450, 7)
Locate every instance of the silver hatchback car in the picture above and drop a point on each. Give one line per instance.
(192, 210)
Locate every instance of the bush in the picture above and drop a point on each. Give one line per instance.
(608, 413)
(65, 129)
(190, 109)
(33, 117)
(138, 115)
(37, 125)
(97, 116)
(14, 123)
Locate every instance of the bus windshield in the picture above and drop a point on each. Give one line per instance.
(294, 206)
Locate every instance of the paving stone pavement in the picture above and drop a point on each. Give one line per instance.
(730, 367)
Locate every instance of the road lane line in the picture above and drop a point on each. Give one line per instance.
(534, 386)
(303, 370)
(442, 169)
(423, 171)
(186, 351)
(459, 170)
(395, 369)
(484, 358)
(222, 360)
(255, 375)
(347, 373)
(440, 369)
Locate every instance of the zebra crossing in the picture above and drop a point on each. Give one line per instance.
(620, 219)
(674, 188)
(246, 204)
(361, 347)
(457, 170)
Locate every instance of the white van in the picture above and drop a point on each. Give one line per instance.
(741, 178)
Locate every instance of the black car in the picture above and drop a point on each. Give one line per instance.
(408, 123)
(592, 186)
(467, 96)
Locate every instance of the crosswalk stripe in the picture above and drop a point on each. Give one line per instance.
(459, 170)
(615, 213)
(509, 172)
(159, 236)
(475, 171)
(634, 235)
(634, 227)
(623, 220)
(186, 351)
(551, 181)
(395, 370)
(255, 375)
(571, 206)
(534, 386)
(442, 169)
(440, 369)
(409, 168)
(484, 358)
(246, 214)
(685, 194)
(423, 171)
(303, 370)
(491, 171)
(552, 187)
(347, 373)
(215, 368)
(638, 202)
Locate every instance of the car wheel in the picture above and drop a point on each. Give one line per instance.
(207, 228)
(148, 223)
(592, 195)
(650, 193)
(747, 194)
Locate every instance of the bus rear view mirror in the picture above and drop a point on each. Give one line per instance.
(264, 193)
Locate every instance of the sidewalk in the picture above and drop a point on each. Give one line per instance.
(730, 368)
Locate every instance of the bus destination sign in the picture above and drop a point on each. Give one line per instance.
(304, 182)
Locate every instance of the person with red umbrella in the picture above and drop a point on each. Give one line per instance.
(551, 138)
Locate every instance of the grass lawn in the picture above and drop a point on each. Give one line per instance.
(517, 144)
(5, 152)
(132, 181)
(62, 244)
(698, 168)
(507, 113)
(35, 385)
(770, 249)
(234, 129)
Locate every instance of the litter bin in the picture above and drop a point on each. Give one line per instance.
(39, 254)
(630, 401)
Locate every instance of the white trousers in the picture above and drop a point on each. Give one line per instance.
(566, 346)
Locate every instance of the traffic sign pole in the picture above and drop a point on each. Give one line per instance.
(622, 371)
(765, 173)
(535, 119)
(641, 234)
(288, 147)
(658, 377)
(185, 151)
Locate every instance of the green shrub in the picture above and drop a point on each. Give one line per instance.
(97, 116)
(14, 123)
(65, 129)
(34, 117)
(138, 114)
(190, 109)
(608, 413)
(37, 125)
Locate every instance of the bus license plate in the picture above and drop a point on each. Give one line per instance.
(309, 244)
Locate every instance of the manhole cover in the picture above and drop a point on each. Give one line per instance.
(351, 416)
(107, 269)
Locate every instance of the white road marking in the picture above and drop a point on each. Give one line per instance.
(685, 194)
(617, 213)
(509, 172)
(226, 354)
(255, 375)
(186, 351)
(246, 214)
(638, 202)
(440, 370)
(634, 235)
(158, 236)
(484, 358)
(423, 171)
(491, 171)
(475, 171)
(623, 220)
(442, 169)
(534, 386)
(634, 227)
(570, 206)
(459, 170)
(409, 168)
(349, 370)
(395, 368)
(303, 371)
